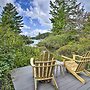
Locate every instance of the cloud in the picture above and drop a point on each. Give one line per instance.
(20, 10)
(25, 30)
(33, 33)
(26, 27)
(37, 31)
(3, 2)
(29, 32)
(40, 11)
(86, 4)
(18, 7)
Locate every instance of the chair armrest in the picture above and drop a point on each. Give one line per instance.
(74, 56)
(67, 58)
(31, 62)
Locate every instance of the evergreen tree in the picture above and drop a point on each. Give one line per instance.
(66, 15)
(58, 15)
(76, 16)
(10, 18)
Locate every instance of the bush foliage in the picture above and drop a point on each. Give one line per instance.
(67, 43)
(13, 53)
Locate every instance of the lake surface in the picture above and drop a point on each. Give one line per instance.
(35, 42)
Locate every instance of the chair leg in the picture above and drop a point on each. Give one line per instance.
(67, 70)
(35, 84)
(62, 70)
(56, 70)
(33, 71)
(78, 77)
(55, 83)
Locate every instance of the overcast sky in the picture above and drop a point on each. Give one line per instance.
(36, 14)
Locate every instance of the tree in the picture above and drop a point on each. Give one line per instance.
(66, 15)
(86, 29)
(58, 15)
(76, 16)
(10, 18)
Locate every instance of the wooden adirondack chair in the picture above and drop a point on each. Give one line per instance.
(77, 66)
(46, 56)
(43, 70)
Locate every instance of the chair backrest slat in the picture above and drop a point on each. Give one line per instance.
(46, 56)
(41, 57)
(39, 69)
(44, 69)
(49, 74)
(87, 54)
(81, 66)
(84, 61)
(51, 56)
(46, 74)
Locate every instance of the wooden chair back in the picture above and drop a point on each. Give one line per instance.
(44, 69)
(46, 56)
(83, 62)
(87, 54)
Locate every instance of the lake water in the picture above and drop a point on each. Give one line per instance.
(35, 42)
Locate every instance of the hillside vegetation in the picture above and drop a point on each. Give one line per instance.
(71, 29)
(70, 33)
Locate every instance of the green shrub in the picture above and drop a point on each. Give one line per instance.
(55, 42)
(24, 54)
(77, 48)
(13, 53)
